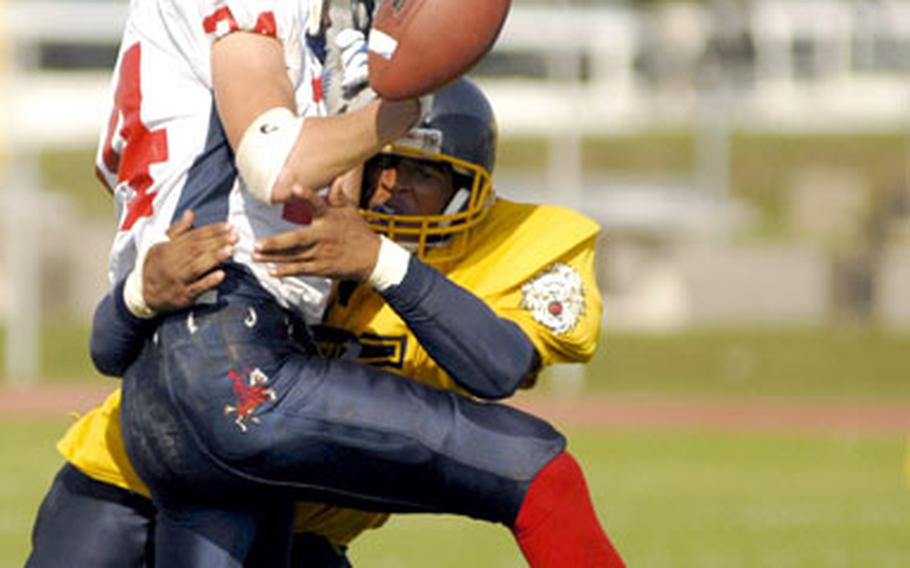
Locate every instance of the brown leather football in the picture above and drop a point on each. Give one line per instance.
(418, 46)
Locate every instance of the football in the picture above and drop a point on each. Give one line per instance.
(418, 46)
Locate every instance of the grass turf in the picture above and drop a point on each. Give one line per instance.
(700, 499)
(830, 363)
(668, 498)
(673, 499)
(29, 463)
(854, 363)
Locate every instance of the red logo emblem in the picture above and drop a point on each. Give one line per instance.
(251, 394)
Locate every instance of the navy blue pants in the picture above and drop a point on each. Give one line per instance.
(225, 411)
(84, 522)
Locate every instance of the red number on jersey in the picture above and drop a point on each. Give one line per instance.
(266, 25)
(222, 22)
(137, 146)
(212, 21)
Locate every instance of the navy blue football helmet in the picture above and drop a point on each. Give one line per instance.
(459, 131)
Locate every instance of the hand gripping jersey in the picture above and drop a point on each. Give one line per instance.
(531, 264)
(163, 149)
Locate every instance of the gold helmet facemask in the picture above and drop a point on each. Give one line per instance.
(459, 132)
(444, 236)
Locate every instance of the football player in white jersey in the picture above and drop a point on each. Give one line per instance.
(229, 413)
(167, 148)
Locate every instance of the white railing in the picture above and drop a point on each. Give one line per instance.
(603, 42)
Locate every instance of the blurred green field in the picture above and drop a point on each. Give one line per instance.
(668, 499)
(29, 463)
(851, 363)
(699, 499)
(818, 362)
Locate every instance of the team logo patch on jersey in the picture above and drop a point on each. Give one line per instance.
(251, 394)
(555, 298)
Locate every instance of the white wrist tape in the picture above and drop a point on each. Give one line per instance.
(391, 265)
(264, 149)
(132, 290)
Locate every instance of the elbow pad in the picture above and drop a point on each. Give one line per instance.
(264, 150)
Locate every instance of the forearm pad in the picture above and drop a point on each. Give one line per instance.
(117, 334)
(487, 355)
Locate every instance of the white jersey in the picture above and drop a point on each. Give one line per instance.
(164, 150)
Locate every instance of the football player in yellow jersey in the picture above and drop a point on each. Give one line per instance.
(531, 265)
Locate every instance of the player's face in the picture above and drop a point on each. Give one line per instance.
(412, 187)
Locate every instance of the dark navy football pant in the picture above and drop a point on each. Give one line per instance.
(226, 411)
(84, 522)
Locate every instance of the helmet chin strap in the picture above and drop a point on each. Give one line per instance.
(457, 202)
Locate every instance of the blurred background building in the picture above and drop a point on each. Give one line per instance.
(748, 160)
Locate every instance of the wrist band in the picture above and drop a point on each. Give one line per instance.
(264, 149)
(391, 265)
(132, 290)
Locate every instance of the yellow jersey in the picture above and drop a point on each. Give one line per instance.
(532, 264)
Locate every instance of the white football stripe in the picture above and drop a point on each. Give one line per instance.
(382, 43)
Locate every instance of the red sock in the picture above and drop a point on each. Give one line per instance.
(557, 526)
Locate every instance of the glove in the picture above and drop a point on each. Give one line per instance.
(354, 61)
